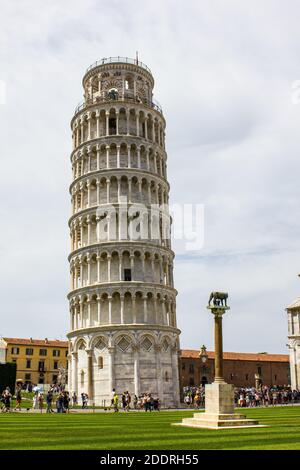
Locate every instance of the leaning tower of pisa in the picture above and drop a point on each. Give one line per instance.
(123, 333)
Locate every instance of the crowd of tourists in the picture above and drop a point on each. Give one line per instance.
(59, 400)
(247, 396)
(144, 402)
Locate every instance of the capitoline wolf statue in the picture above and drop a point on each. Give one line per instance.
(219, 298)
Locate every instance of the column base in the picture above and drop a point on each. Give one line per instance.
(219, 410)
(218, 421)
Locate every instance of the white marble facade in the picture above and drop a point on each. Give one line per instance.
(293, 312)
(123, 330)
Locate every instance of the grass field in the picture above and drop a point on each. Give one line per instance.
(145, 431)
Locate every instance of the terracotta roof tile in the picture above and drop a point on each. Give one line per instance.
(193, 354)
(37, 342)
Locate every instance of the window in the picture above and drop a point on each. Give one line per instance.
(247, 377)
(28, 363)
(231, 376)
(54, 379)
(66, 353)
(192, 383)
(112, 126)
(191, 368)
(41, 366)
(15, 350)
(55, 365)
(14, 361)
(183, 366)
(29, 352)
(56, 353)
(275, 377)
(27, 376)
(100, 362)
(127, 274)
(43, 352)
(166, 377)
(259, 370)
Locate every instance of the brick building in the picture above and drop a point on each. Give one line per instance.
(240, 369)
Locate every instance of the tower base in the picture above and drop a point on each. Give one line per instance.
(219, 410)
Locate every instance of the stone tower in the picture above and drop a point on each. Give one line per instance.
(123, 333)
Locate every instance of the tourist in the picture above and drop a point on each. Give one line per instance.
(35, 401)
(41, 402)
(49, 398)
(18, 398)
(123, 400)
(6, 400)
(116, 402)
(127, 401)
(74, 399)
(66, 401)
(84, 400)
(112, 396)
(156, 404)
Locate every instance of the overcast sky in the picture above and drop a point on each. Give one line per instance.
(224, 73)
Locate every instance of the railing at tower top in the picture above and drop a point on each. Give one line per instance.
(123, 60)
(104, 98)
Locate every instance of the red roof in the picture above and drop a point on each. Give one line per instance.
(37, 342)
(194, 354)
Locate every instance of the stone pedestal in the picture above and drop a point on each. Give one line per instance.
(219, 410)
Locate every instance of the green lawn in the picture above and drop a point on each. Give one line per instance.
(145, 431)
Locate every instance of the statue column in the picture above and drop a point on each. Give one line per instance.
(218, 345)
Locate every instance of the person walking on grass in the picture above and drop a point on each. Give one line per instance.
(74, 399)
(66, 401)
(49, 398)
(6, 399)
(18, 399)
(41, 402)
(123, 400)
(116, 403)
(127, 401)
